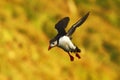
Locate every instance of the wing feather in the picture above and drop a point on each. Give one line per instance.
(77, 24)
(61, 25)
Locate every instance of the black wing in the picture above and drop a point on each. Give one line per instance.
(77, 24)
(61, 25)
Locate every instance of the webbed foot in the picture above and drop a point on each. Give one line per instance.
(71, 57)
(77, 55)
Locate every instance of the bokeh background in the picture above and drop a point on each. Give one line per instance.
(26, 26)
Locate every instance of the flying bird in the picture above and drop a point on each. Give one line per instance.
(63, 38)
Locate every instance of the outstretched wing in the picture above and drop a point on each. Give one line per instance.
(61, 25)
(77, 24)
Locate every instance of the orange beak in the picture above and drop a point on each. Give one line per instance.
(49, 48)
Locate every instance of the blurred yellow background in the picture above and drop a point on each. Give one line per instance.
(26, 26)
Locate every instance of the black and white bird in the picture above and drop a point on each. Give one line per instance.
(63, 38)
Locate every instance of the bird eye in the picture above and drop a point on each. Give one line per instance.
(53, 43)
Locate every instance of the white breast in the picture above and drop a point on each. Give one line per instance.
(66, 43)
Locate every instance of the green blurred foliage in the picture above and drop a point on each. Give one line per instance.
(26, 26)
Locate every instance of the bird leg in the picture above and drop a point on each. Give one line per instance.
(71, 57)
(77, 55)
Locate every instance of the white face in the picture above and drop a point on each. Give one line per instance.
(53, 44)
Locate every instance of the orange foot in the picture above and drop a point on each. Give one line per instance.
(71, 57)
(77, 55)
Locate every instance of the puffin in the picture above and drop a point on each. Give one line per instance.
(63, 38)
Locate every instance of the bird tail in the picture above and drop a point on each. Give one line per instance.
(77, 49)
